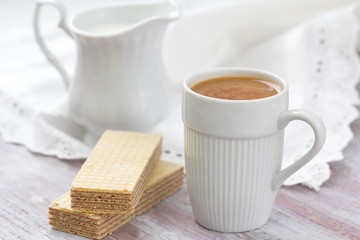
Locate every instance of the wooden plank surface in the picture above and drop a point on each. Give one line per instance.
(30, 182)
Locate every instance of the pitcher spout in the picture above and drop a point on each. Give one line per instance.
(123, 18)
(171, 11)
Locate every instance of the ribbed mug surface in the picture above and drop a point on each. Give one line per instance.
(229, 180)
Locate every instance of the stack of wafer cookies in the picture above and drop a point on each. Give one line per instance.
(165, 179)
(116, 183)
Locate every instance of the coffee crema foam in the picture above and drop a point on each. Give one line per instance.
(237, 88)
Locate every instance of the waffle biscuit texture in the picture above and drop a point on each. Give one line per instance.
(113, 177)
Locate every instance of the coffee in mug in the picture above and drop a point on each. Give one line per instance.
(237, 88)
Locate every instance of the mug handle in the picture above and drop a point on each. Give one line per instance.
(62, 24)
(320, 134)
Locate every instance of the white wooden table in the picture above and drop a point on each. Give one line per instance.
(30, 182)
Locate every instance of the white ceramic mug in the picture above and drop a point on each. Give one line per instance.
(234, 149)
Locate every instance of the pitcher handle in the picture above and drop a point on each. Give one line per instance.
(62, 24)
(320, 134)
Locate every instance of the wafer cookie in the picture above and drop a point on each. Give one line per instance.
(113, 177)
(164, 180)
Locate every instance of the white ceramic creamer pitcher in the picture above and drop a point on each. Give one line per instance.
(120, 81)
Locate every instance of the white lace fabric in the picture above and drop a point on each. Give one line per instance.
(317, 57)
